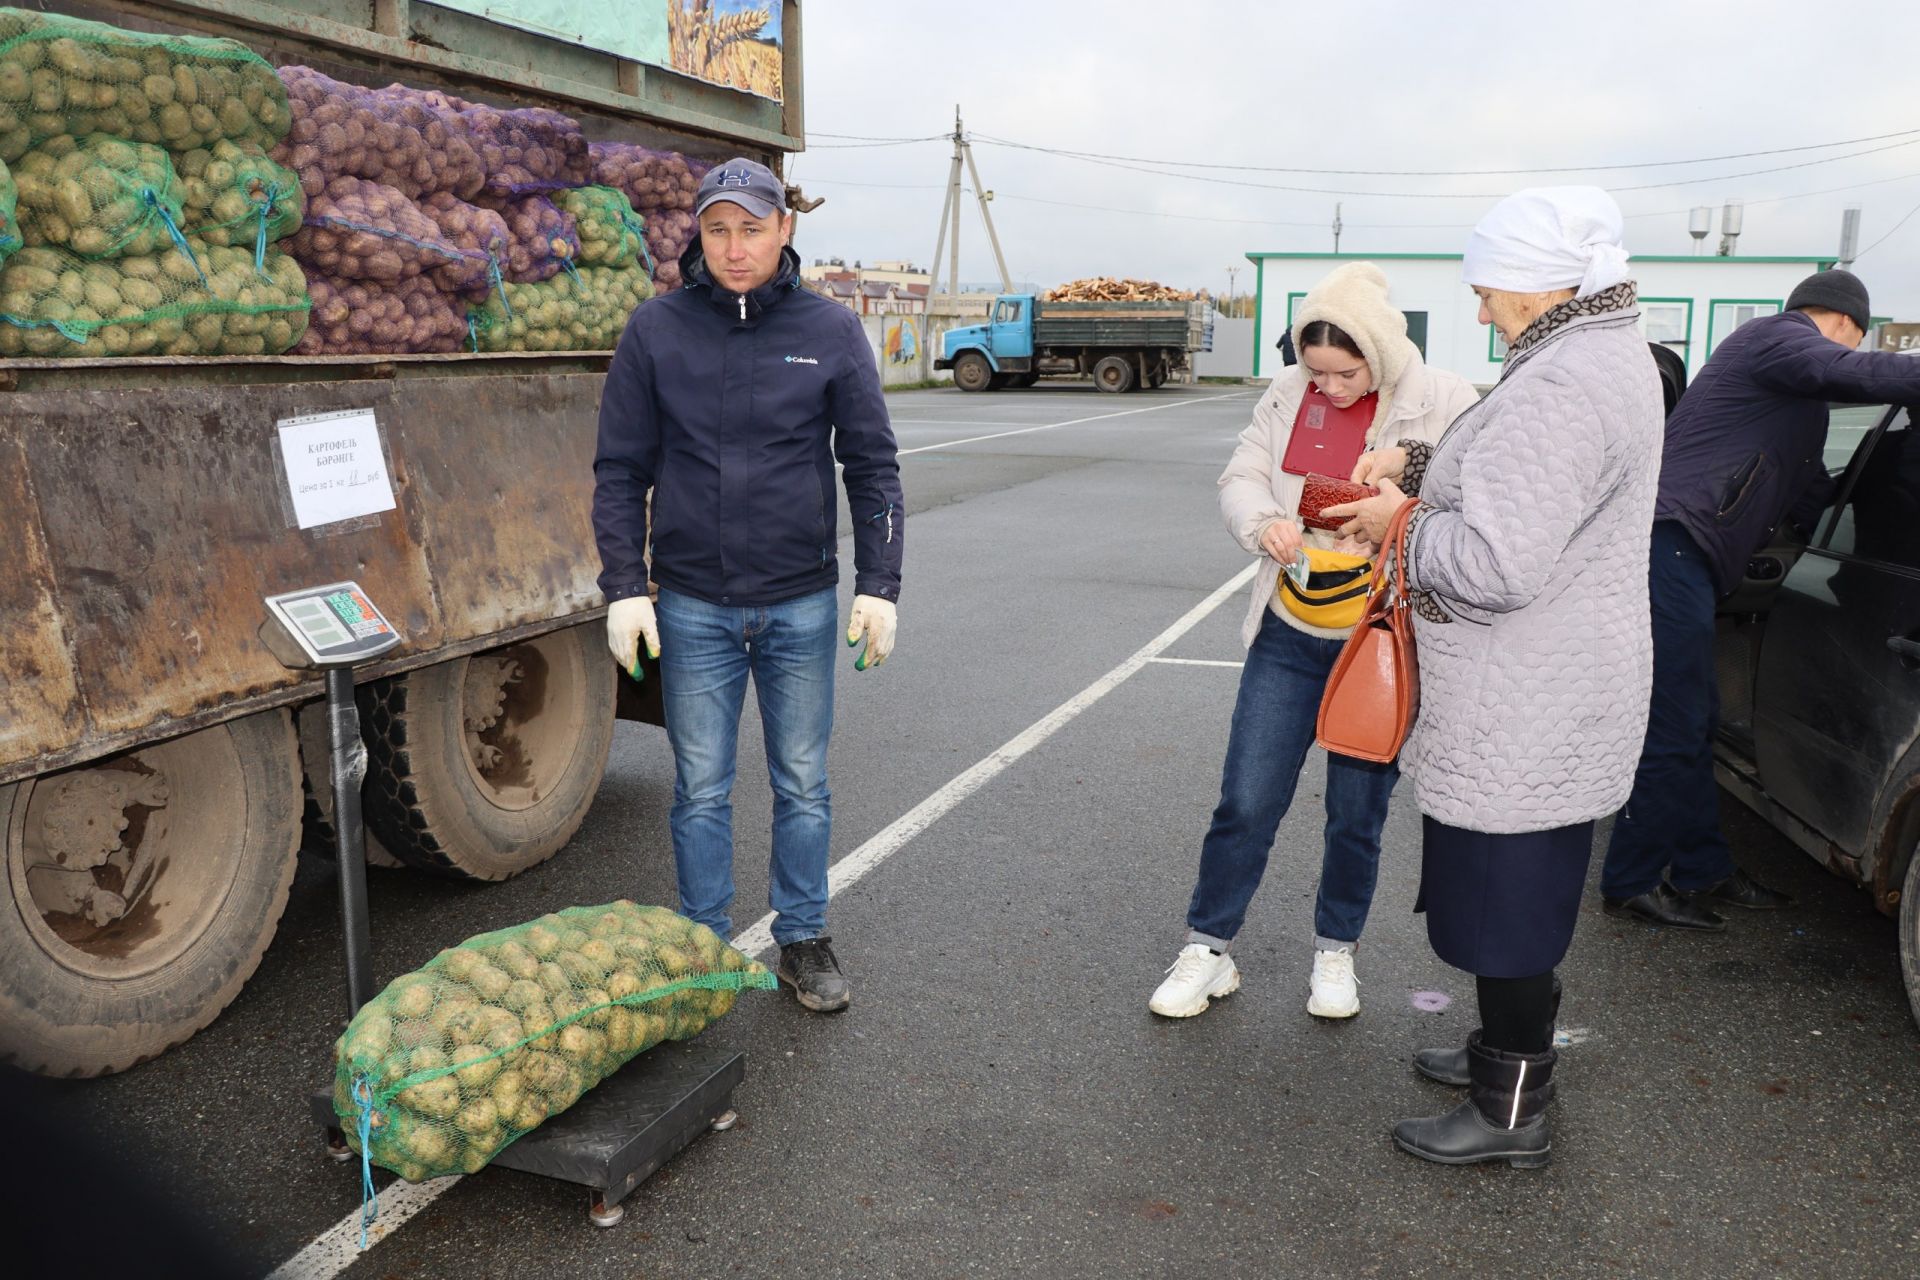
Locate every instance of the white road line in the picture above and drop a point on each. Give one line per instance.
(339, 1247)
(1198, 662)
(1074, 422)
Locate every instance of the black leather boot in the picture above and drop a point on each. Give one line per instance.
(1449, 1066)
(1503, 1118)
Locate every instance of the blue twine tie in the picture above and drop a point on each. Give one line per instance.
(473, 334)
(153, 202)
(369, 1197)
(499, 286)
(260, 239)
(567, 265)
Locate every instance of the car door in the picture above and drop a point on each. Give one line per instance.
(1009, 337)
(1837, 692)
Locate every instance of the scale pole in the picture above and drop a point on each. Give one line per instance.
(349, 838)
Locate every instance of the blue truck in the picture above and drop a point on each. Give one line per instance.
(1122, 346)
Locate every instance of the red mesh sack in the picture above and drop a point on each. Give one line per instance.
(360, 317)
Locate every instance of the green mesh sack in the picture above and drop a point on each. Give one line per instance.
(449, 1064)
(61, 75)
(9, 227)
(234, 194)
(578, 310)
(99, 197)
(204, 300)
(611, 233)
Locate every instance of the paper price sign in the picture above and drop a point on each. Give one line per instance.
(335, 467)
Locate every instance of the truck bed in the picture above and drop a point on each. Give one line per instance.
(1179, 326)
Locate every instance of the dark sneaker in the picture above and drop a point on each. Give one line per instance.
(810, 969)
(1665, 905)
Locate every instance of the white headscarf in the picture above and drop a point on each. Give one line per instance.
(1548, 238)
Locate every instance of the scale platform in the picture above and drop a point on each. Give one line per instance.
(622, 1130)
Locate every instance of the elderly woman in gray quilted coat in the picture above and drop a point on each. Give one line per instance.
(1528, 555)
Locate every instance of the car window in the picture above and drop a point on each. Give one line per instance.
(1847, 426)
(1008, 313)
(1880, 516)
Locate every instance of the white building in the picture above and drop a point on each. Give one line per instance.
(1688, 303)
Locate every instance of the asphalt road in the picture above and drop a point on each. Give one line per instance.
(999, 1101)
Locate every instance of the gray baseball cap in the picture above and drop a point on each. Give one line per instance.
(751, 186)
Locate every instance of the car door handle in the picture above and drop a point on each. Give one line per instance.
(1906, 648)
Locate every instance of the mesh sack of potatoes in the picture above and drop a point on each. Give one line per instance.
(450, 1063)
(541, 240)
(581, 310)
(411, 140)
(661, 185)
(9, 224)
(98, 196)
(68, 76)
(611, 233)
(480, 234)
(233, 193)
(201, 300)
(362, 318)
(527, 149)
(358, 229)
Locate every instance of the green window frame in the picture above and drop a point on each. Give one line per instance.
(1713, 315)
(1496, 349)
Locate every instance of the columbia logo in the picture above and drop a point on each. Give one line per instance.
(801, 360)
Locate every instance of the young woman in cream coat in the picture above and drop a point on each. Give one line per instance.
(1352, 343)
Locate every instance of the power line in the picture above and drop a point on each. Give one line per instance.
(1441, 173)
(1883, 239)
(1456, 195)
(871, 142)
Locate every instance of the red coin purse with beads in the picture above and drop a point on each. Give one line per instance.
(1320, 492)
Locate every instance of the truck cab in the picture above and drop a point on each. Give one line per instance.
(998, 353)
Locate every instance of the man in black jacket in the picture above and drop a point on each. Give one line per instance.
(729, 401)
(1744, 449)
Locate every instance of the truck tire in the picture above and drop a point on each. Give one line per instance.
(141, 891)
(971, 372)
(316, 792)
(481, 767)
(1113, 373)
(1910, 933)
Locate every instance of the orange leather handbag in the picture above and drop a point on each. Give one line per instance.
(1373, 695)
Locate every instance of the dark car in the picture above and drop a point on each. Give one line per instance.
(1818, 654)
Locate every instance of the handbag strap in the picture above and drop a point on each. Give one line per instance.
(1383, 594)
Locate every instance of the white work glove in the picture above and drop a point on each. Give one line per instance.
(873, 618)
(627, 621)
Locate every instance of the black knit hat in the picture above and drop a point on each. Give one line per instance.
(1835, 290)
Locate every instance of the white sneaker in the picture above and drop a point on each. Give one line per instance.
(1193, 979)
(1335, 991)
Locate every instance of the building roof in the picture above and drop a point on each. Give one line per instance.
(838, 288)
(915, 290)
(875, 289)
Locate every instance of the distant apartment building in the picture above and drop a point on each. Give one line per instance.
(883, 289)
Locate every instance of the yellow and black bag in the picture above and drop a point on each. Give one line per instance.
(1336, 592)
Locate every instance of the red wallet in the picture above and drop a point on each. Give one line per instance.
(1321, 492)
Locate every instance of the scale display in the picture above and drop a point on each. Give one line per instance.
(334, 624)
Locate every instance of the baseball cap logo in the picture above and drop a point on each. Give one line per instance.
(735, 178)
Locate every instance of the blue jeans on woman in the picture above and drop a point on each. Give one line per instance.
(707, 652)
(1273, 727)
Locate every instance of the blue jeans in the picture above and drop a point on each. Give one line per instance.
(706, 654)
(1273, 726)
(1672, 817)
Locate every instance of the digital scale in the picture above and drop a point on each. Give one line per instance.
(628, 1125)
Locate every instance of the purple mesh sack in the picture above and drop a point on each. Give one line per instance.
(360, 317)
(480, 234)
(541, 239)
(529, 149)
(407, 139)
(356, 229)
(662, 186)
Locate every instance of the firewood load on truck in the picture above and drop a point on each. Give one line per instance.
(220, 225)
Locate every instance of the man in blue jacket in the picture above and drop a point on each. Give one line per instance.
(1744, 451)
(729, 401)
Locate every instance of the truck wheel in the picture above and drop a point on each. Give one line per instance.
(1910, 934)
(316, 791)
(481, 767)
(971, 372)
(141, 891)
(1113, 373)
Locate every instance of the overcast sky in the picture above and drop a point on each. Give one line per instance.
(1356, 85)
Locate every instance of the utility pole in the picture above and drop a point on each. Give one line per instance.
(1231, 272)
(950, 215)
(1336, 227)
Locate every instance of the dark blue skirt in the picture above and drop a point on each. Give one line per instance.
(1502, 906)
